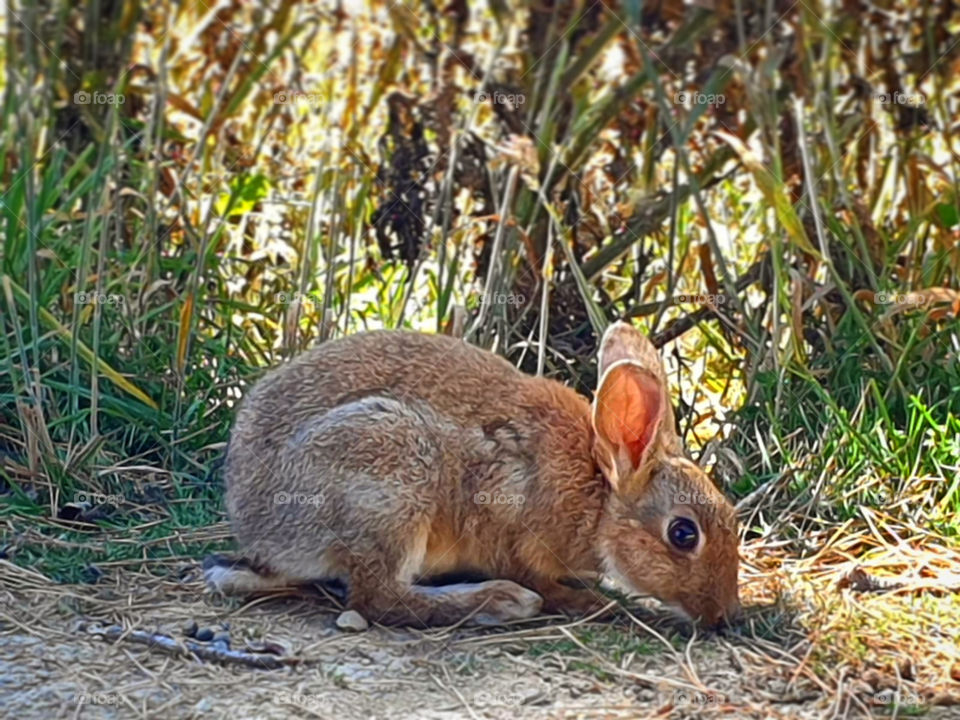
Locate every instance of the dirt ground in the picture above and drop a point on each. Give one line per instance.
(53, 664)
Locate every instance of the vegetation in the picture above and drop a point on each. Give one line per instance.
(192, 193)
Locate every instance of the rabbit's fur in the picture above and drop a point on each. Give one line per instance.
(386, 458)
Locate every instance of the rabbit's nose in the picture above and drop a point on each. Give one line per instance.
(718, 617)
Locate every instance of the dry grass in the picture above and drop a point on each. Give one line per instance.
(809, 646)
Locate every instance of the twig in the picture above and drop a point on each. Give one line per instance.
(679, 326)
(167, 644)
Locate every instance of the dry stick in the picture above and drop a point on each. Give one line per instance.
(308, 259)
(167, 644)
(679, 326)
(495, 253)
(648, 217)
(546, 273)
(446, 207)
(690, 664)
(671, 251)
(761, 492)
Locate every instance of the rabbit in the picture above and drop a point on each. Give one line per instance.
(387, 459)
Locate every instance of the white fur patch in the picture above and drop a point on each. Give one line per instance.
(237, 581)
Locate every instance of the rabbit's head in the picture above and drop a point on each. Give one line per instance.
(666, 531)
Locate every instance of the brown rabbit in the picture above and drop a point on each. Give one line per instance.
(385, 459)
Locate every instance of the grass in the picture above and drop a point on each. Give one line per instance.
(154, 530)
(615, 642)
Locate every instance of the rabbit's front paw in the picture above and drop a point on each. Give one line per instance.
(506, 600)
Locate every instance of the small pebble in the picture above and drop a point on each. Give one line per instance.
(352, 621)
(204, 706)
(190, 628)
(204, 634)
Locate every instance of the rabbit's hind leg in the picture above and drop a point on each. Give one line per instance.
(380, 587)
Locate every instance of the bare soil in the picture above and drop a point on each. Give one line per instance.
(52, 665)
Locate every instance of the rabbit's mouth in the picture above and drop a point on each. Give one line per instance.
(620, 578)
(709, 614)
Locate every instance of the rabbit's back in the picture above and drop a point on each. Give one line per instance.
(461, 382)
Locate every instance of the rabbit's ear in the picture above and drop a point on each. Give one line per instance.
(624, 342)
(628, 410)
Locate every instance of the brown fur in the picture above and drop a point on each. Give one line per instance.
(383, 443)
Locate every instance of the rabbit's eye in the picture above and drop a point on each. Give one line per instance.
(683, 533)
